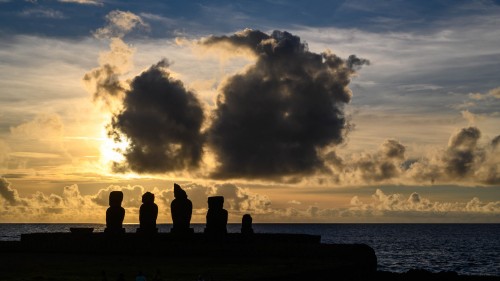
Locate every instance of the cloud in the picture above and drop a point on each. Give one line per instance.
(43, 13)
(469, 116)
(393, 203)
(272, 119)
(365, 168)
(43, 126)
(84, 2)
(72, 206)
(495, 92)
(104, 81)
(41, 138)
(462, 152)
(161, 119)
(464, 160)
(7, 193)
(119, 24)
(132, 195)
(241, 200)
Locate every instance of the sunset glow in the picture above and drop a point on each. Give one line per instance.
(356, 112)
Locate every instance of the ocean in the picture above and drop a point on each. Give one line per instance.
(472, 249)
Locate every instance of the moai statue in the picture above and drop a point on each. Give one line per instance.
(246, 224)
(181, 209)
(216, 216)
(115, 213)
(148, 214)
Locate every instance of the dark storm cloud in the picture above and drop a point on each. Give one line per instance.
(384, 165)
(356, 63)
(271, 120)
(162, 121)
(462, 152)
(465, 159)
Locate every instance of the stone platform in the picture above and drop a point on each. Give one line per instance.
(298, 252)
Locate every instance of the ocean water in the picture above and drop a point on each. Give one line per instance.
(472, 249)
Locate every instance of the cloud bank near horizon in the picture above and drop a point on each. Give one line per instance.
(71, 205)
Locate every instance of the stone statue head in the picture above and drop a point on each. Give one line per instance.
(115, 198)
(179, 193)
(216, 202)
(148, 198)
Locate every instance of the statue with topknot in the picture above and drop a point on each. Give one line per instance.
(181, 209)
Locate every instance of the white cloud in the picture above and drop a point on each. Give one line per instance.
(84, 2)
(43, 13)
(382, 203)
(119, 24)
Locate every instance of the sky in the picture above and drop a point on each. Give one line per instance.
(350, 111)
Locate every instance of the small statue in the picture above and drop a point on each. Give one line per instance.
(115, 213)
(246, 224)
(216, 216)
(181, 209)
(148, 214)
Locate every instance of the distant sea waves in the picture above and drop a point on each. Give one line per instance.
(472, 249)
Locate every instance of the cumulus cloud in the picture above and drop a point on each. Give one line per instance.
(241, 200)
(272, 119)
(71, 205)
(464, 160)
(104, 82)
(7, 193)
(386, 203)
(366, 168)
(462, 152)
(161, 119)
(119, 24)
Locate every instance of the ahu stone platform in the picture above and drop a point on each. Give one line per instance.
(304, 253)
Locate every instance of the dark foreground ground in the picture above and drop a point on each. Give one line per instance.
(59, 267)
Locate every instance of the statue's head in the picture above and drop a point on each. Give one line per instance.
(179, 193)
(216, 202)
(148, 198)
(115, 198)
